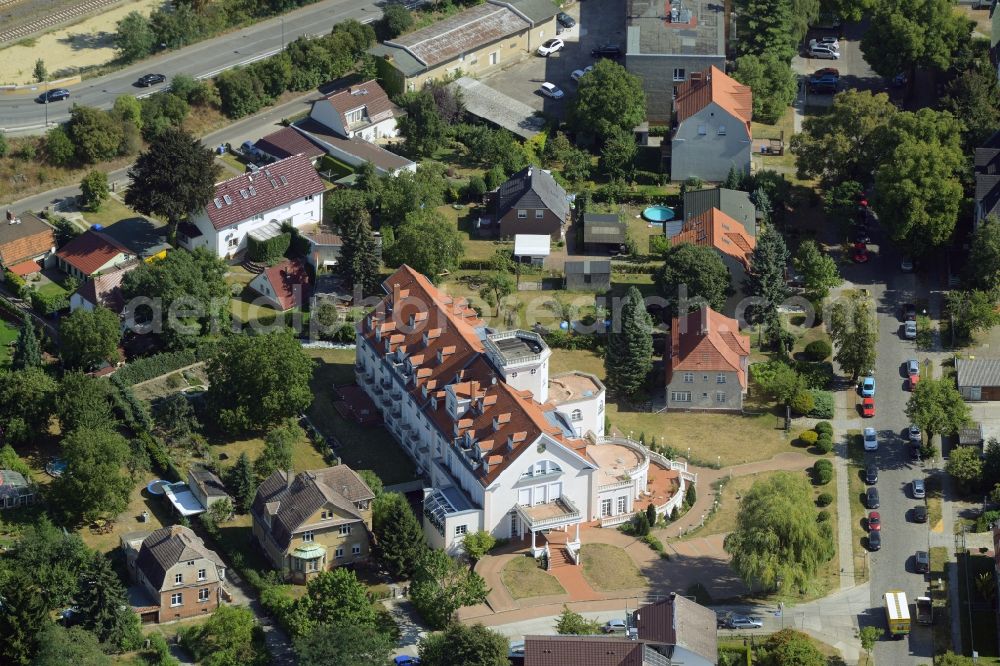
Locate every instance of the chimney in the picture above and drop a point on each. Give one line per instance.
(703, 320)
(289, 478)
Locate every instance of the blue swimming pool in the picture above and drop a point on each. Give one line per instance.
(658, 214)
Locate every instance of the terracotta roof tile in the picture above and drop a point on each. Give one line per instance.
(705, 340)
(713, 228)
(276, 185)
(714, 86)
(91, 250)
(287, 142)
(287, 278)
(106, 289)
(368, 95)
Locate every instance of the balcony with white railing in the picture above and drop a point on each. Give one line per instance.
(557, 513)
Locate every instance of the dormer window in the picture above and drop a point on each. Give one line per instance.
(510, 442)
(434, 402)
(496, 424)
(440, 357)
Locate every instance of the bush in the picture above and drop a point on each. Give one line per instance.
(802, 403)
(269, 251)
(823, 472)
(823, 516)
(822, 405)
(817, 375)
(824, 443)
(824, 427)
(49, 304)
(824, 499)
(153, 366)
(656, 545)
(818, 350)
(808, 437)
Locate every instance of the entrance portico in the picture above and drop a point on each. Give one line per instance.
(559, 514)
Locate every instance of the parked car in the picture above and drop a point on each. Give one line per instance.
(831, 42)
(615, 627)
(874, 522)
(860, 255)
(868, 386)
(910, 330)
(913, 372)
(565, 20)
(606, 51)
(406, 660)
(921, 561)
(874, 541)
(823, 52)
(871, 439)
(919, 514)
(871, 498)
(899, 80)
(871, 473)
(823, 86)
(828, 21)
(913, 432)
(54, 95)
(580, 73)
(150, 80)
(550, 90)
(868, 407)
(742, 622)
(827, 71)
(909, 312)
(918, 490)
(861, 235)
(906, 265)
(550, 46)
(722, 619)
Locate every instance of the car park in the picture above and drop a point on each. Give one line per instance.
(550, 46)
(54, 95)
(868, 386)
(871, 498)
(550, 90)
(831, 42)
(607, 51)
(910, 330)
(580, 73)
(743, 622)
(874, 521)
(565, 20)
(919, 514)
(823, 52)
(868, 407)
(921, 561)
(871, 439)
(918, 489)
(913, 432)
(615, 627)
(871, 473)
(912, 372)
(874, 541)
(150, 80)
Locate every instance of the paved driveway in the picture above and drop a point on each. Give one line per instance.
(854, 70)
(597, 23)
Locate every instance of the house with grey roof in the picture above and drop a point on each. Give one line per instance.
(206, 486)
(734, 203)
(978, 378)
(666, 41)
(588, 275)
(15, 490)
(475, 41)
(175, 574)
(531, 202)
(681, 630)
(604, 233)
(312, 521)
(987, 171)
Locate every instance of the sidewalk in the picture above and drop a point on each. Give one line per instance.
(844, 420)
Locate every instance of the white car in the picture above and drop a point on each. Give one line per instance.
(825, 41)
(871, 439)
(551, 46)
(823, 52)
(915, 434)
(550, 90)
(580, 73)
(910, 330)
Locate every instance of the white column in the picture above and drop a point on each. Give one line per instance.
(532, 540)
(578, 531)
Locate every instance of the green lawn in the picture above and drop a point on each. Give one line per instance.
(362, 447)
(51, 289)
(111, 211)
(8, 334)
(608, 568)
(523, 578)
(464, 219)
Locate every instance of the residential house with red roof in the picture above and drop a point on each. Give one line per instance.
(712, 119)
(506, 448)
(26, 241)
(706, 362)
(713, 228)
(259, 204)
(103, 289)
(363, 111)
(285, 285)
(92, 252)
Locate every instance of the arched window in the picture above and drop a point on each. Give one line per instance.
(577, 415)
(540, 468)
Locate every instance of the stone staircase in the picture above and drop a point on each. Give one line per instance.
(253, 267)
(558, 557)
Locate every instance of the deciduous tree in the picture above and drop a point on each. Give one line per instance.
(692, 276)
(277, 453)
(95, 482)
(869, 636)
(467, 645)
(936, 406)
(58, 646)
(40, 73)
(396, 19)
(428, 244)
(777, 537)
(855, 335)
(477, 544)
(442, 585)
(398, 536)
(966, 467)
(344, 643)
(93, 190)
(818, 270)
(95, 134)
(629, 357)
(983, 268)
(773, 82)
(788, 647)
(618, 153)
(89, 338)
(230, 637)
(905, 34)
(134, 37)
(27, 398)
(422, 126)
(972, 311)
(84, 402)
(338, 597)
(769, 26)
(608, 97)
(572, 623)
(496, 288)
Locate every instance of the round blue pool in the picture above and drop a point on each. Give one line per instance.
(658, 214)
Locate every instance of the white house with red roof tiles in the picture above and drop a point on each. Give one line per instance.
(288, 191)
(504, 448)
(712, 116)
(285, 285)
(707, 362)
(363, 111)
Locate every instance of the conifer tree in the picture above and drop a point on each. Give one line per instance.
(242, 483)
(629, 357)
(27, 351)
(104, 606)
(359, 258)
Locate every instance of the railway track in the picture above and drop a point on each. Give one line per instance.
(56, 18)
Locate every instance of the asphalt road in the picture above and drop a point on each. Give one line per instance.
(21, 114)
(892, 566)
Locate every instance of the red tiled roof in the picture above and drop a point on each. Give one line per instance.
(105, 289)
(714, 86)
(705, 340)
(25, 268)
(91, 250)
(29, 238)
(713, 228)
(287, 142)
(287, 278)
(369, 95)
(276, 185)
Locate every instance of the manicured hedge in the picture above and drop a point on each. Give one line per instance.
(824, 427)
(16, 283)
(49, 303)
(269, 251)
(562, 340)
(808, 437)
(824, 499)
(823, 472)
(818, 350)
(153, 366)
(633, 269)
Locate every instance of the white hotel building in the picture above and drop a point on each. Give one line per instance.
(505, 448)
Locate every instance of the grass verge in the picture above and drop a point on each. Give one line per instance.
(523, 578)
(608, 568)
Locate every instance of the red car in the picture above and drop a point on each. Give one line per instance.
(913, 372)
(860, 255)
(868, 407)
(874, 522)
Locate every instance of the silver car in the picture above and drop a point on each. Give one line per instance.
(823, 52)
(919, 492)
(910, 330)
(741, 622)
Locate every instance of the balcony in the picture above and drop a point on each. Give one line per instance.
(550, 514)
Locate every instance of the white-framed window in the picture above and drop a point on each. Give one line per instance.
(355, 116)
(720, 396)
(176, 599)
(605, 508)
(326, 514)
(307, 536)
(600, 408)
(203, 595)
(202, 574)
(461, 530)
(356, 549)
(233, 242)
(178, 579)
(622, 504)
(522, 214)
(688, 377)
(702, 129)
(722, 130)
(313, 564)
(577, 415)
(345, 529)
(339, 553)
(679, 74)
(539, 213)
(493, 58)
(680, 396)
(720, 378)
